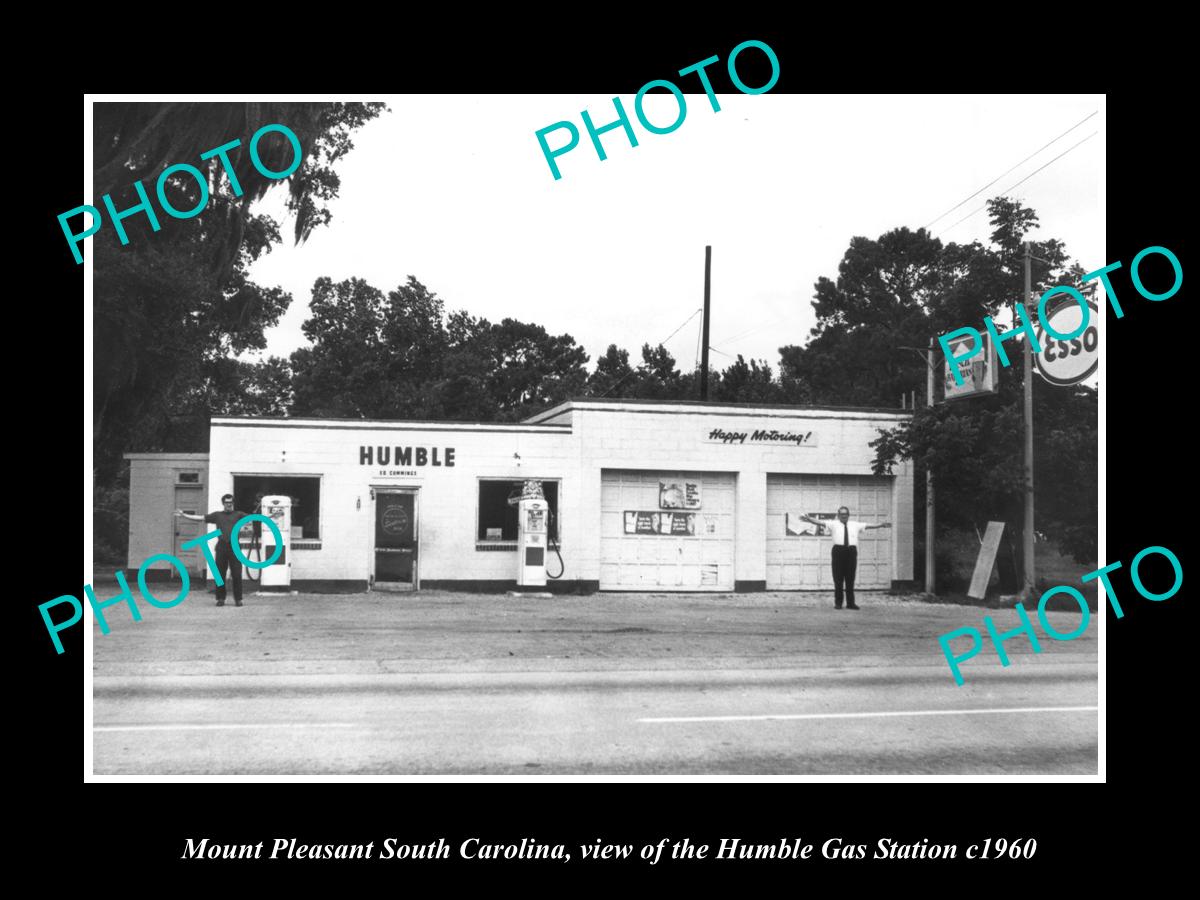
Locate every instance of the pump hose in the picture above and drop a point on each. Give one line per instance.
(562, 566)
(255, 554)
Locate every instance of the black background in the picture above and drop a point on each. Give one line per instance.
(120, 830)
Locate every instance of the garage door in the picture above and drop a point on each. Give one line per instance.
(802, 561)
(666, 531)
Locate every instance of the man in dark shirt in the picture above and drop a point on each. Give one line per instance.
(224, 519)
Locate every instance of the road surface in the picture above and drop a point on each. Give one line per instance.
(655, 685)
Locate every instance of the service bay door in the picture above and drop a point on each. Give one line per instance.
(801, 561)
(668, 531)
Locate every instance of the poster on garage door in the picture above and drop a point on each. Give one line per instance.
(795, 526)
(679, 495)
(647, 522)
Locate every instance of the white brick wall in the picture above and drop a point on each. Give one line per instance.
(446, 502)
(672, 437)
(600, 435)
(152, 483)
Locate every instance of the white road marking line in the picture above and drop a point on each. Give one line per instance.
(876, 715)
(215, 727)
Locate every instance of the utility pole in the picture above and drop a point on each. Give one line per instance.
(930, 567)
(1028, 586)
(928, 354)
(704, 329)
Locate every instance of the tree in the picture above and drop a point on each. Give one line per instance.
(888, 295)
(748, 383)
(656, 377)
(401, 356)
(136, 141)
(228, 387)
(975, 447)
(172, 307)
(173, 301)
(460, 389)
(611, 372)
(532, 369)
(369, 352)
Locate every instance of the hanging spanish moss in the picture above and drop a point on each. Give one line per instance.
(136, 141)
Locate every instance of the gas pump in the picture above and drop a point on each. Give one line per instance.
(279, 510)
(534, 538)
(532, 512)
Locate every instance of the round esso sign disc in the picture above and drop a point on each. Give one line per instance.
(1073, 360)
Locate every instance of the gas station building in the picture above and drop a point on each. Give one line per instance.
(641, 495)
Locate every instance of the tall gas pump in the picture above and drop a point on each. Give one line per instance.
(279, 510)
(532, 513)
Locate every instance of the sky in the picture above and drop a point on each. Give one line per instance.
(455, 190)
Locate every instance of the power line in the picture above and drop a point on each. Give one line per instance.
(618, 382)
(680, 328)
(1021, 182)
(1018, 165)
(749, 331)
(742, 334)
(746, 333)
(633, 371)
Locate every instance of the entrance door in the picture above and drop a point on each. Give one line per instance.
(189, 499)
(395, 540)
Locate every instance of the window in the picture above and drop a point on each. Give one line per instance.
(187, 477)
(305, 491)
(498, 520)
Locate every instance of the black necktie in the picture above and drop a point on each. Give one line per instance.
(845, 534)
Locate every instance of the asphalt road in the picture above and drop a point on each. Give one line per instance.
(448, 684)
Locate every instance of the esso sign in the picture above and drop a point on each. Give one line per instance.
(1074, 360)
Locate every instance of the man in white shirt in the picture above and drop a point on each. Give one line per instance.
(845, 552)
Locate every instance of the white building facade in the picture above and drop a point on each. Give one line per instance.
(647, 496)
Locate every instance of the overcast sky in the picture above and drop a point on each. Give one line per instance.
(455, 191)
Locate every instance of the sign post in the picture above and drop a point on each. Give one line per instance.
(930, 561)
(1027, 537)
(978, 376)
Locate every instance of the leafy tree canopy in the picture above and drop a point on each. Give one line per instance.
(171, 306)
(975, 447)
(401, 356)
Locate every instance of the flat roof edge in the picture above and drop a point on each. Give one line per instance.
(401, 424)
(165, 454)
(711, 407)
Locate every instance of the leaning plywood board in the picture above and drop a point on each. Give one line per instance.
(987, 559)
